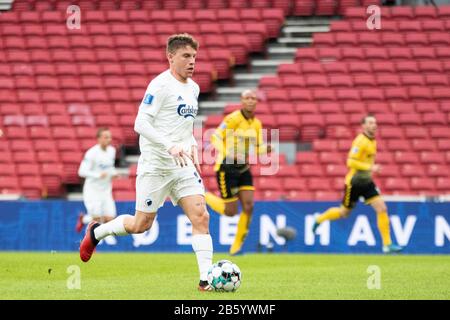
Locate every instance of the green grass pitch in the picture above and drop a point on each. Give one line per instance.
(157, 276)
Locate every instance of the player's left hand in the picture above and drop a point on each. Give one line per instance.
(179, 156)
(195, 160)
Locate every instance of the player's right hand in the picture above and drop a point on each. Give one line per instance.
(179, 155)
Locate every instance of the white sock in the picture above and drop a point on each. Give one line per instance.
(112, 228)
(110, 240)
(203, 248)
(86, 219)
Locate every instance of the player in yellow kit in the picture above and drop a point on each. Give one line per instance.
(233, 139)
(359, 183)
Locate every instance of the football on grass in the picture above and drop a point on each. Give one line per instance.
(224, 276)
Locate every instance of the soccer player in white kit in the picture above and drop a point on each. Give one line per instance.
(98, 170)
(168, 165)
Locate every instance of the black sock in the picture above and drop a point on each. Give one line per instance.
(94, 240)
(203, 283)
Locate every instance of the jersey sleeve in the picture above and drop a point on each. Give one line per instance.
(113, 168)
(219, 135)
(86, 169)
(197, 90)
(261, 147)
(355, 156)
(153, 99)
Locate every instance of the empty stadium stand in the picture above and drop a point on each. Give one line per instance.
(58, 84)
(399, 73)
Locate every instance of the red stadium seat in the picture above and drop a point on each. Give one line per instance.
(7, 170)
(327, 196)
(412, 170)
(432, 157)
(329, 108)
(398, 145)
(436, 170)
(21, 145)
(443, 144)
(303, 8)
(422, 185)
(324, 145)
(124, 195)
(48, 157)
(306, 157)
(423, 145)
(299, 195)
(288, 126)
(443, 184)
(292, 184)
(317, 184)
(25, 169)
(387, 157)
(416, 132)
(439, 132)
(333, 170)
(406, 157)
(391, 132)
(393, 185)
(9, 185)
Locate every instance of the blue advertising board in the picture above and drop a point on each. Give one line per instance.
(422, 227)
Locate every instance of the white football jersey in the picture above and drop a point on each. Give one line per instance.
(95, 161)
(173, 106)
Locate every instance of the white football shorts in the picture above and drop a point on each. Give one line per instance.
(153, 189)
(100, 205)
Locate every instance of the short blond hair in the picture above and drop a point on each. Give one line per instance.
(101, 130)
(176, 41)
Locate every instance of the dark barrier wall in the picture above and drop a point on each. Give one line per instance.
(50, 225)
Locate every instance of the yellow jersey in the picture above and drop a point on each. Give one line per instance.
(361, 157)
(235, 137)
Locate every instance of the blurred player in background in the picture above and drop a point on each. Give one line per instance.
(97, 168)
(359, 182)
(233, 139)
(168, 165)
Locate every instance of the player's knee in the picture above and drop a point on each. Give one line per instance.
(230, 211)
(142, 226)
(248, 207)
(201, 219)
(204, 218)
(381, 208)
(345, 213)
